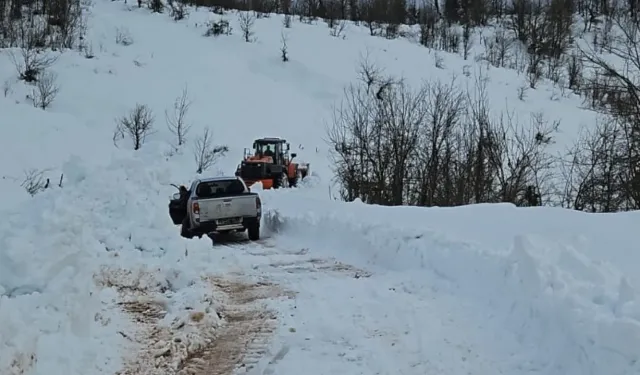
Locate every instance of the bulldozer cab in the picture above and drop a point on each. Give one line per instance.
(276, 148)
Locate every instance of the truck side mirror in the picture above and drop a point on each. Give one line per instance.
(293, 155)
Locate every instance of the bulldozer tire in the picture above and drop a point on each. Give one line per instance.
(281, 182)
(253, 232)
(296, 180)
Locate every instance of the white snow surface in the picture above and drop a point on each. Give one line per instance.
(483, 289)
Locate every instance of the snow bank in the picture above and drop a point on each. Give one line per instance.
(68, 255)
(531, 270)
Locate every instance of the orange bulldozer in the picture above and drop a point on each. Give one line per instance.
(271, 164)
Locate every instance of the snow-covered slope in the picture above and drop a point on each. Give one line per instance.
(95, 279)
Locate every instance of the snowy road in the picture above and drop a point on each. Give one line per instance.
(334, 318)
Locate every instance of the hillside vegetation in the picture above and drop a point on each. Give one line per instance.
(433, 143)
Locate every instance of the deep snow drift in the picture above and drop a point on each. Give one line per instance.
(479, 289)
(553, 291)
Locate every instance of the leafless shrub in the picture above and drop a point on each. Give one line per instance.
(439, 61)
(574, 72)
(286, 21)
(436, 145)
(376, 174)
(217, 28)
(88, 51)
(606, 162)
(428, 25)
(6, 87)
(600, 172)
(467, 42)
(123, 36)
(369, 73)
(205, 153)
(32, 25)
(138, 125)
(156, 6)
(46, 90)
(284, 49)
(178, 10)
(34, 181)
(498, 48)
(32, 62)
(449, 38)
(444, 106)
(520, 158)
(373, 77)
(247, 20)
(534, 70)
(522, 92)
(338, 29)
(176, 119)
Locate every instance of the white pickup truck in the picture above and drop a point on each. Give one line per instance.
(219, 204)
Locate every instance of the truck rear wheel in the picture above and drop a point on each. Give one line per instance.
(254, 231)
(184, 228)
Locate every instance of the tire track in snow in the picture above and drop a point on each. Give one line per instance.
(245, 337)
(276, 260)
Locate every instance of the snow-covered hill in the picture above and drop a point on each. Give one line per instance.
(94, 278)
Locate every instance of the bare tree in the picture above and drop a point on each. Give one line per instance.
(370, 74)
(467, 42)
(592, 171)
(138, 125)
(498, 48)
(433, 160)
(176, 120)
(205, 153)
(373, 136)
(46, 90)
(520, 158)
(614, 91)
(247, 21)
(32, 62)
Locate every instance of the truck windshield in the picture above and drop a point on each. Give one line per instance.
(219, 188)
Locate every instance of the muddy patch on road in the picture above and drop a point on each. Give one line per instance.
(319, 265)
(243, 340)
(233, 332)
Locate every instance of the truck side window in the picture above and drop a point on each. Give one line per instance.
(204, 190)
